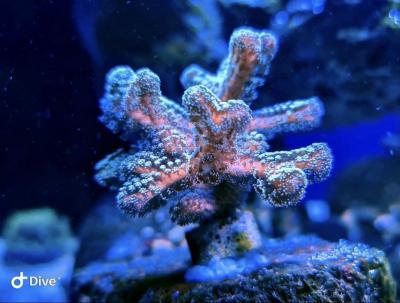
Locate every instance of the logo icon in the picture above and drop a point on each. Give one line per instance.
(33, 281)
(18, 281)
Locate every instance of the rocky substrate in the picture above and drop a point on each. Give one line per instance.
(301, 269)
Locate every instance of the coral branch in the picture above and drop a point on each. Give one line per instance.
(147, 107)
(146, 176)
(315, 160)
(133, 101)
(250, 55)
(109, 169)
(193, 206)
(113, 105)
(291, 116)
(285, 175)
(282, 177)
(211, 116)
(196, 75)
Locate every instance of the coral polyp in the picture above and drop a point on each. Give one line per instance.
(207, 153)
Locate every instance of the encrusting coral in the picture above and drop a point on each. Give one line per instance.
(205, 154)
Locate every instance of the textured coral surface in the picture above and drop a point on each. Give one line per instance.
(213, 138)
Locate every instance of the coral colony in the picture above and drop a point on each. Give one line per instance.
(205, 155)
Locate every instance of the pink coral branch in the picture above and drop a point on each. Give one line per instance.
(288, 117)
(249, 52)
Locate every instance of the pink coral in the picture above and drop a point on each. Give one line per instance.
(213, 139)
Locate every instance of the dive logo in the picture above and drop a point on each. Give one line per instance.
(32, 281)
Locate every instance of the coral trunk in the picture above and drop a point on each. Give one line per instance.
(227, 237)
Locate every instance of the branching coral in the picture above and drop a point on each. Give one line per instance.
(205, 154)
